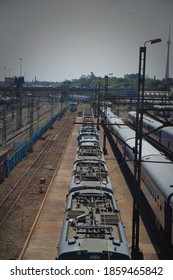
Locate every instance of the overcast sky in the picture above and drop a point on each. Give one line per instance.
(64, 39)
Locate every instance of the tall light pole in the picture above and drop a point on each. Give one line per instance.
(105, 111)
(20, 66)
(30, 117)
(138, 148)
(20, 98)
(4, 129)
(5, 73)
(98, 104)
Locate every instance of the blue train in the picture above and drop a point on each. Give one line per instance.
(92, 228)
(73, 107)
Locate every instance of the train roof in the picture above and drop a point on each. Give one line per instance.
(88, 128)
(89, 175)
(89, 144)
(115, 120)
(92, 228)
(116, 125)
(164, 106)
(158, 167)
(84, 134)
(150, 121)
(89, 152)
(126, 134)
(147, 149)
(168, 129)
(88, 138)
(160, 170)
(166, 132)
(132, 113)
(110, 114)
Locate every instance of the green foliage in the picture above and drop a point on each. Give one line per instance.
(155, 83)
(92, 81)
(128, 81)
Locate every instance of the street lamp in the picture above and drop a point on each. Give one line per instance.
(138, 148)
(154, 41)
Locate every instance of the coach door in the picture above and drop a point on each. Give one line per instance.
(168, 220)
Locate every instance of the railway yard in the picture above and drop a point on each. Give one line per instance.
(22, 197)
(32, 208)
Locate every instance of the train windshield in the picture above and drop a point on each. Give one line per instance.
(85, 255)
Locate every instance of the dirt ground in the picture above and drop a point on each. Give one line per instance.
(14, 232)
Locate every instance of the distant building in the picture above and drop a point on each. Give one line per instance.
(9, 81)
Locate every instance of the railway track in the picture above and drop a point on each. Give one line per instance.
(32, 174)
(24, 132)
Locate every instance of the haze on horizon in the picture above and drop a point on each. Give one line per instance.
(65, 39)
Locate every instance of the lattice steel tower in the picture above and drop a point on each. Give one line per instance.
(167, 60)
